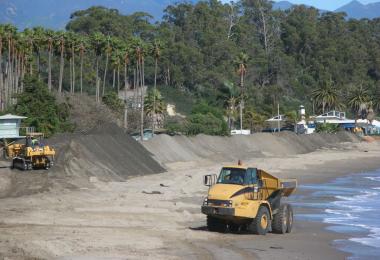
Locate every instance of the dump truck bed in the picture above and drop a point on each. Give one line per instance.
(272, 183)
(288, 186)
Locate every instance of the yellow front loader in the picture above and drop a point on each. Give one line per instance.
(247, 198)
(33, 154)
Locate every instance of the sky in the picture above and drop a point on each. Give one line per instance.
(330, 5)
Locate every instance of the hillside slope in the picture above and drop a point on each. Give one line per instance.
(357, 10)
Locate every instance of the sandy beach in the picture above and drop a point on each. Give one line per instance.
(158, 216)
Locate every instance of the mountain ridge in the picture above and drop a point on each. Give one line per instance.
(354, 9)
(55, 14)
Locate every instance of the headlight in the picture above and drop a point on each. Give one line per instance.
(205, 202)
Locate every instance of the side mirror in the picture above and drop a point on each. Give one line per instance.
(209, 180)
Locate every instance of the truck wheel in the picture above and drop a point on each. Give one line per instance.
(234, 228)
(280, 220)
(216, 225)
(260, 224)
(290, 219)
(30, 166)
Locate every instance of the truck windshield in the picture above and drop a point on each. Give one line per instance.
(232, 176)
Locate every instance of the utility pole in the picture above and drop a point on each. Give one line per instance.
(241, 116)
(125, 107)
(278, 116)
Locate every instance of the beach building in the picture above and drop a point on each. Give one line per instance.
(275, 123)
(339, 118)
(331, 117)
(10, 126)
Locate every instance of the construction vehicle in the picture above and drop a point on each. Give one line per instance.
(244, 198)
(32, 154)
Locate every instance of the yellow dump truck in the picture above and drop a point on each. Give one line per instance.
(247, 198)
(33, 154)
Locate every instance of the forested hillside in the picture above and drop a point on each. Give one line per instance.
(217, 53)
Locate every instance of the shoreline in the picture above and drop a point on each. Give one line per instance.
(158, 216)
(331, 171)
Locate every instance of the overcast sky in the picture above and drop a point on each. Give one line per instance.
(330, 5)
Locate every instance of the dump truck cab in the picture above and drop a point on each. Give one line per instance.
(242, 197)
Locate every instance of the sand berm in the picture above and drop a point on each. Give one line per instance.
(167, 149)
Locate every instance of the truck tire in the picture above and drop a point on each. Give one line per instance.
(216, 225)
(234, 228)
(280, 220)
(260, 224)
(290, 219)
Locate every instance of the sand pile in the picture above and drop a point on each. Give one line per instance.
(169, 149)
(105, 152)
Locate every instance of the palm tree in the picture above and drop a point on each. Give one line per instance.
(326, 96)
(108, 51)
(38, 42)
(2, 90)
(231, 103)
(30, 38)
(156, 51)
(116, 60)
(61, 41)
(139, 53)
(126, 51)
(97, 42)
(241, 63)
(83, 45)
(376, 99)
(20, 48)
(360, 102)
(250, 117)
(26, 50)
(10, 33)
(50, 43)
(72, 44)
(115, 64)
(155, 106)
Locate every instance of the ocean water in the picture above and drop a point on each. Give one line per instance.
(349, 205)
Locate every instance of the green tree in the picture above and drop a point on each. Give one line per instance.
(50, 48)
(241, 64)
(205, 124)
(326, 96)
(112, 100)
(155, 107)
(61, 41)
(41, 109)
(97, 43)
(360, 102)
(156, 53)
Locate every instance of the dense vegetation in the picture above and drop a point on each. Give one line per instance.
(220, 54)
(41, 109)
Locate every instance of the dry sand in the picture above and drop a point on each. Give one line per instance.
(158, 216)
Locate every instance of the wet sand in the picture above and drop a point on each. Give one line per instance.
(158, 216)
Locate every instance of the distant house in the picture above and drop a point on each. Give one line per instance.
(279, 118)
(10, 126)
(276, 124)
(332, 117)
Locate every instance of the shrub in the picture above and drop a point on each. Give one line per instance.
(206, 124)
(41, 109)
(327, 128)
(112, 100)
